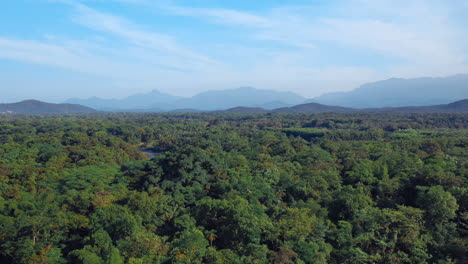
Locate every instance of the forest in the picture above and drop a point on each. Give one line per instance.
(224, 188)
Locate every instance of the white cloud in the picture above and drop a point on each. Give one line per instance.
(158, 44)
(421, 34)
(223, 16)
(69, 57)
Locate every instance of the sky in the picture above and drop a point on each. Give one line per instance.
(57, 49)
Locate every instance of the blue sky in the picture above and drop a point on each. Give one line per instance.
(56, 49)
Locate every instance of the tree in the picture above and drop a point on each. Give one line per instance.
(189, 247)
(440, 205)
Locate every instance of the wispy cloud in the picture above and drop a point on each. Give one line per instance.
(140, 56)
(223, 16)
(73, 57)
(419, 33)
(158, 44)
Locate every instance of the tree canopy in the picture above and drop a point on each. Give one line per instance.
(234, 188)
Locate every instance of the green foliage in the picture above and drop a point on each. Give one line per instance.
(440, 206)
(229, 188)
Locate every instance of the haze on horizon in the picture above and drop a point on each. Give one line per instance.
(57, 49)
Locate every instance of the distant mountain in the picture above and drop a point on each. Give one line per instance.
(206, 101)
(383, 94)
(401, 92)
(455, 107)
(38, 107)
(152, 100)
(244, 96)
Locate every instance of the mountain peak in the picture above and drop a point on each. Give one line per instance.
(30, 101)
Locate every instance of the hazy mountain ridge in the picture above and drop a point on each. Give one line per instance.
(244, 96)
(151, 100)
(38, 107)
(156, 101)
(397, 92)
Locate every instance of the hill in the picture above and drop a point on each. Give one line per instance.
(398, 92)
(313, 108)
(38, 107)
(242, 109)
(461, 105)
(455, 107)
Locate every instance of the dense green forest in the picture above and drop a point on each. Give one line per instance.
(234, 188)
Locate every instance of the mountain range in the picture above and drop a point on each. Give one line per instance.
(395, 92)
(401, 92)
(392, 95)
(38, 107)
(156, 101)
